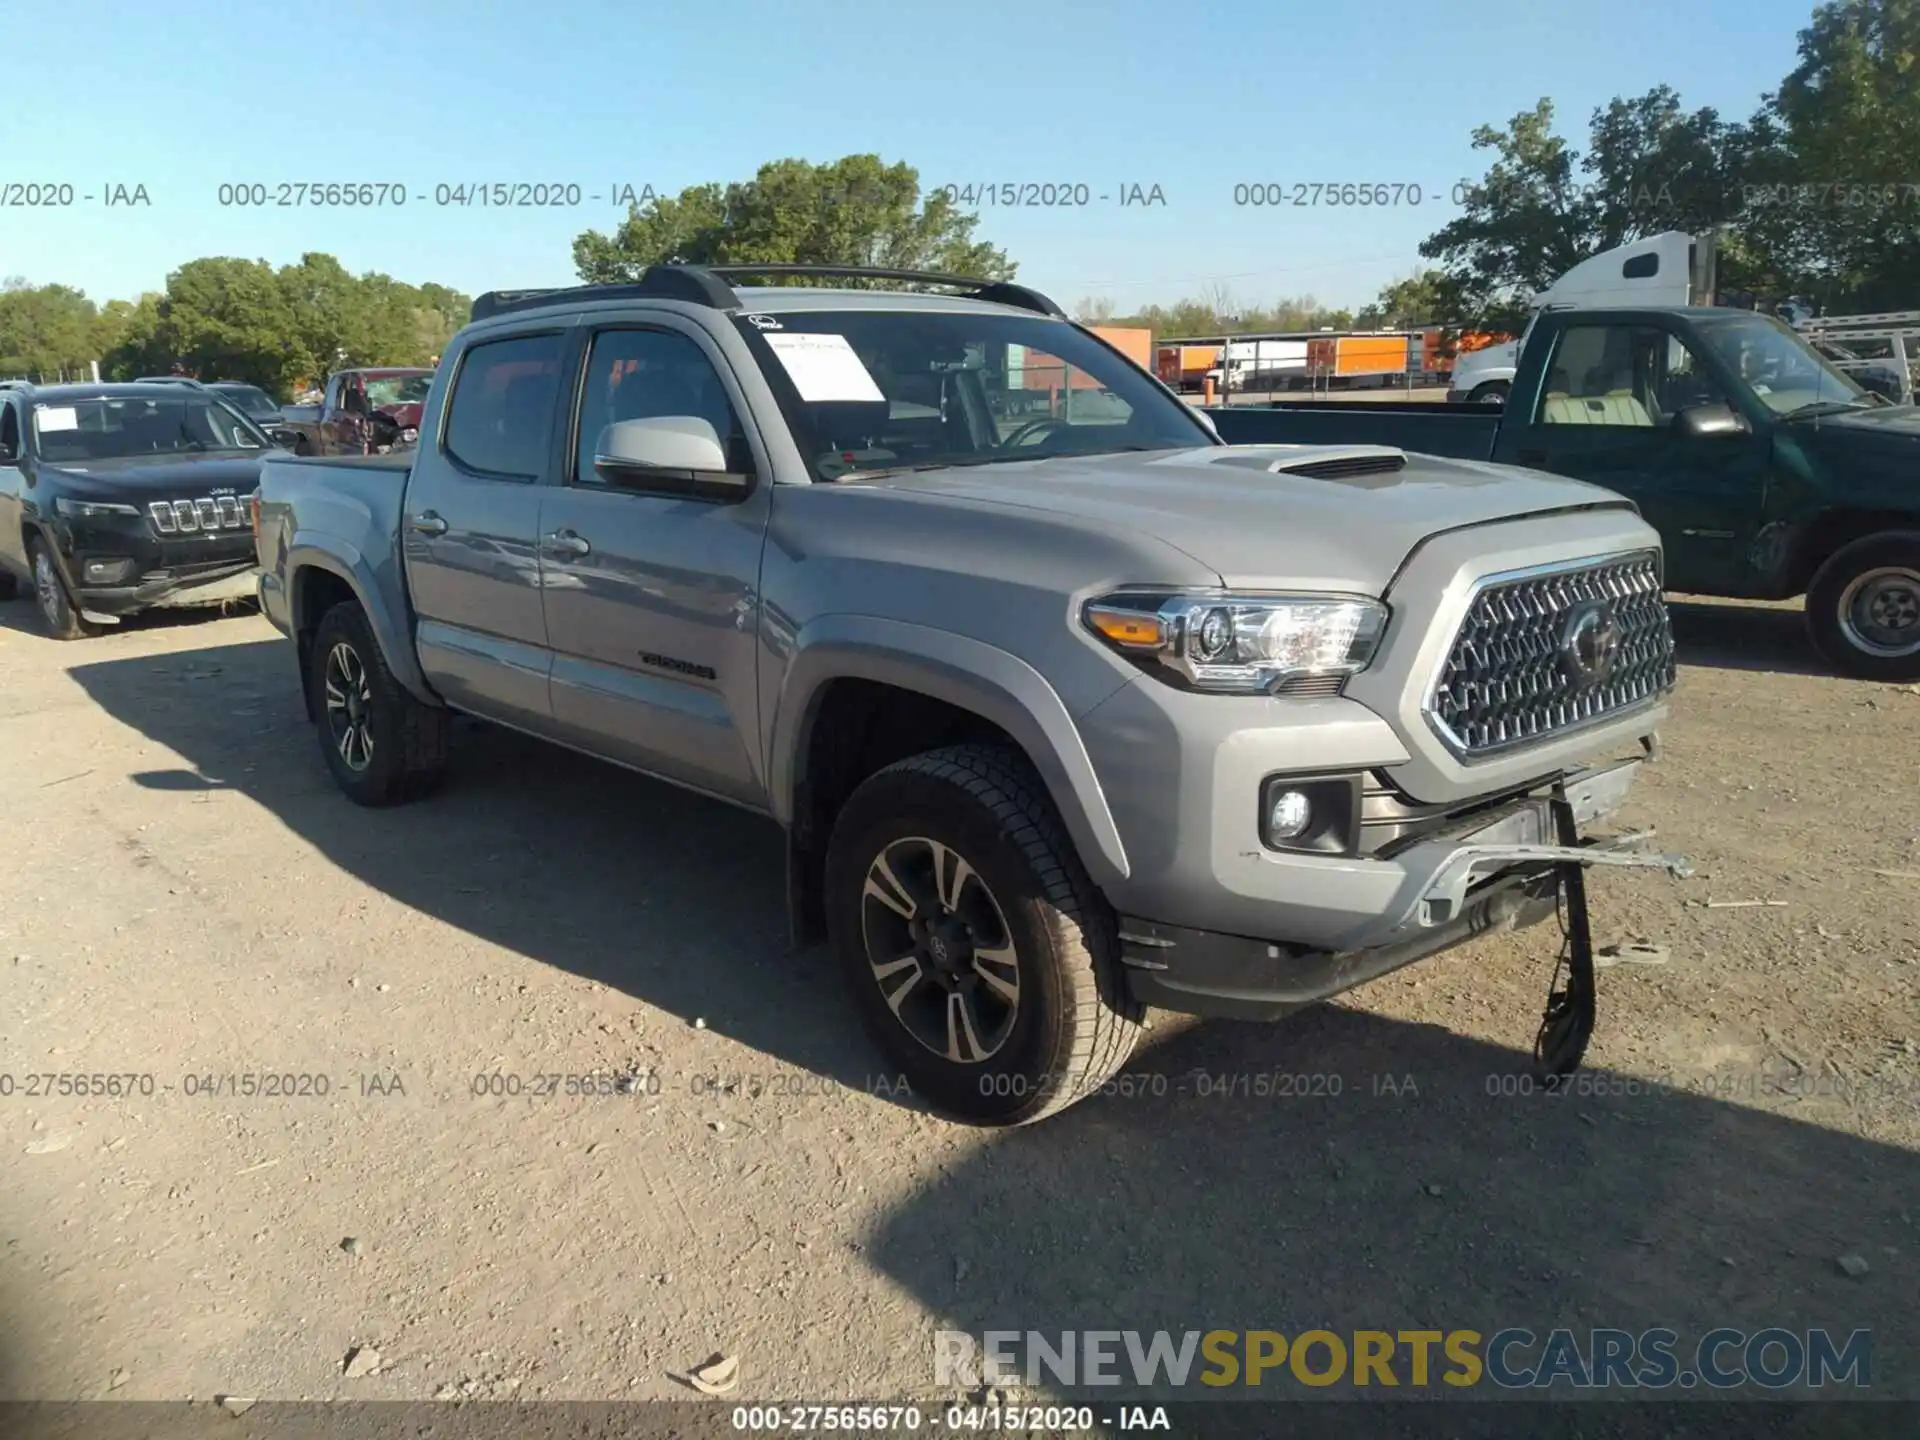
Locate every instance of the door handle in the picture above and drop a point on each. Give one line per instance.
(565, 542)
(427, 522)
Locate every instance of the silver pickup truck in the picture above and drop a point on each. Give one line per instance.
(1066, 708)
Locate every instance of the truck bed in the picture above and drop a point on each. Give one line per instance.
(356, 501)
(1460, 431)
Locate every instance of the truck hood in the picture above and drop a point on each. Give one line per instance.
(1247, 513)
(1486, 359)
(1871, 456)
(157, 476)
(1888, 423)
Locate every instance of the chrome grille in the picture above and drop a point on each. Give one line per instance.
(1546, 652)
(208, 514)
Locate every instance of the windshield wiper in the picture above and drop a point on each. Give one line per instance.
(1813, 405)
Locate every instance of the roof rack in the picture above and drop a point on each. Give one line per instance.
(707, 285)
(1000, 292)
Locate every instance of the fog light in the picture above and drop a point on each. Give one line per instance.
(107, 572)
(1289, 813)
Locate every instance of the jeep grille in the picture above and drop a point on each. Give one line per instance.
(1546, 652)
(208, 515)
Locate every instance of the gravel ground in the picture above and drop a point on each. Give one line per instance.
(188, 902)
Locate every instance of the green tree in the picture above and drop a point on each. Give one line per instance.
(46, 331)
(1425, 297)
(1835, 207)
(855, 211)
(128, 338)
(230, 319)
(1543, 206)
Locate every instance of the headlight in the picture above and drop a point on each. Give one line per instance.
(1241, 644)
(90, 509)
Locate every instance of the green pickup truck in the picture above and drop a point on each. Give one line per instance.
(1768, 472)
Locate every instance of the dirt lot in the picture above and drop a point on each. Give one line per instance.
(186, 898)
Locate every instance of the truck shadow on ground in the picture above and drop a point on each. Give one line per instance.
(1409, 1187)
(1399, 1181)
(1734, 636)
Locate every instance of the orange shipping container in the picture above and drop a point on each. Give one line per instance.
(1370, 355)
(1135, 344)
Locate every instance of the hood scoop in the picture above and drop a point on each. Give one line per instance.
(1319, 462)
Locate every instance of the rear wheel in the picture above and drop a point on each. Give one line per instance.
(1863, 608)
(383, 746)
(63, 618)
(980, 955)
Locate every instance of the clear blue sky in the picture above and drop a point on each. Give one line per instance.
(1193, 98)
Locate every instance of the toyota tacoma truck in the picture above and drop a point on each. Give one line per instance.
(120, 498)
(1768, 471)
(1064, 714)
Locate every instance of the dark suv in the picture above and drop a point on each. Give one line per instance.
(121, 498)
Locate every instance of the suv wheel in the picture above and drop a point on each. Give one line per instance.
(383, 746)
(56, 606)
(1864, 608)
(980, 955)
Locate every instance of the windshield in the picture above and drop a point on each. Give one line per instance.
(400, 390)
(1778, 366)
(887, 389)
(118, 427)
(251, 399)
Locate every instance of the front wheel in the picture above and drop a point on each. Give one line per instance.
(1863, 608)
(979, 953)
(1494, 392)
(64, 621)
(383, 746)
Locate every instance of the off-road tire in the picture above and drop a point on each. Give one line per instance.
(1075, 1024)
(61, 616)
(1828, 601)
(409, 740)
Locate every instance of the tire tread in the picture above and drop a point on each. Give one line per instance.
(1105, 1020)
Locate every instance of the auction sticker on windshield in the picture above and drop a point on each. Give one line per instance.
(56, 417)
(824, 367)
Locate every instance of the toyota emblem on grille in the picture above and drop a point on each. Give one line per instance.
(1591, 643)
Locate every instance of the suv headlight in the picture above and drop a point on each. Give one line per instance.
(1240, 643)
(90, 509)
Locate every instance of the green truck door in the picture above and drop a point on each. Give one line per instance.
(1606, 416)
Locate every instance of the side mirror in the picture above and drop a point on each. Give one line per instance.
(668, 452)
(282, 436)
(1705, 422)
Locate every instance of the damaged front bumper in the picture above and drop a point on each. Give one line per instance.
(1497, 872)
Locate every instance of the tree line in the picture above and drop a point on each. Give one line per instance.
(1815, 196)
(227, 319)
